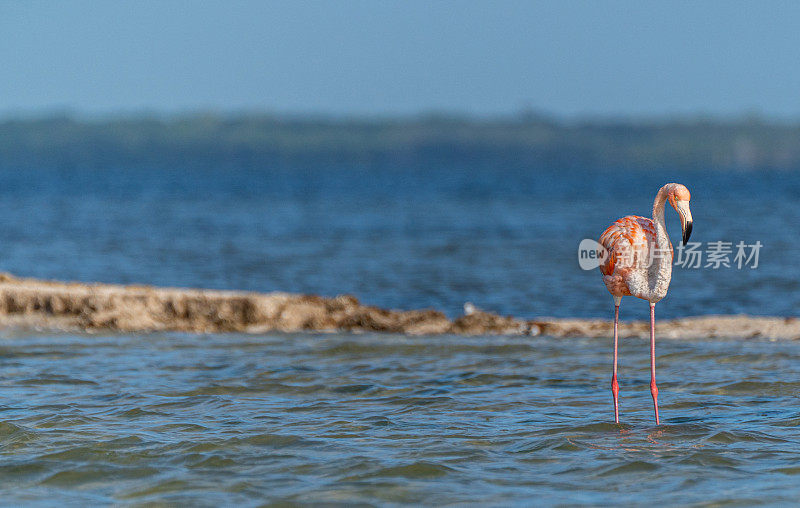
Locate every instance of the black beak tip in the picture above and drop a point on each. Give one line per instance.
(687, 232)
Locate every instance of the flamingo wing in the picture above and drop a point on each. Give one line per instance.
(627, 243)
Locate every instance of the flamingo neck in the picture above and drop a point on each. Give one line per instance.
(661, 270)
(658, 211)
(658, 218)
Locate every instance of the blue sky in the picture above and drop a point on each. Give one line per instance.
(372, 57)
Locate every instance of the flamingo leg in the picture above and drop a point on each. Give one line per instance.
(653, 387)
(614, 384)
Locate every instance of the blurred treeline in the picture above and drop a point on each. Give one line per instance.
(254, 141)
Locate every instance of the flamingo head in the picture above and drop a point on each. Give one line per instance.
(679, 197)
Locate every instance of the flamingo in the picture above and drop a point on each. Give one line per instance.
(638, 262)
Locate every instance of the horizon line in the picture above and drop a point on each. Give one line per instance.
(523, 114)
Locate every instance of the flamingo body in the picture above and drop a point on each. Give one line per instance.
(628, 269)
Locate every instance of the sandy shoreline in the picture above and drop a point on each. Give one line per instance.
(51, 305)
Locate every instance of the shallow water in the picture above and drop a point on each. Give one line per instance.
(405, 238)
(383, 419)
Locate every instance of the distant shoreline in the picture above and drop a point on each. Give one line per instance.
(528, 141)
(71, 306)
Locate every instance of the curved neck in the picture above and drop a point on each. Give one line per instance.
(658, 216)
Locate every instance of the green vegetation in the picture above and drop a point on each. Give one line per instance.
(258, 141)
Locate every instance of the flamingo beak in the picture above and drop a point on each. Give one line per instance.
(687, 231)
(686, 220)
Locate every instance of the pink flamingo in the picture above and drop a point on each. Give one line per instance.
(638, 262)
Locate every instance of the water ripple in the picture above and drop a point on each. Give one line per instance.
(369, 419)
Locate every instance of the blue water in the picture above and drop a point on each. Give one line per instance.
(385, 419)
(377, 420)
(506, 240)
